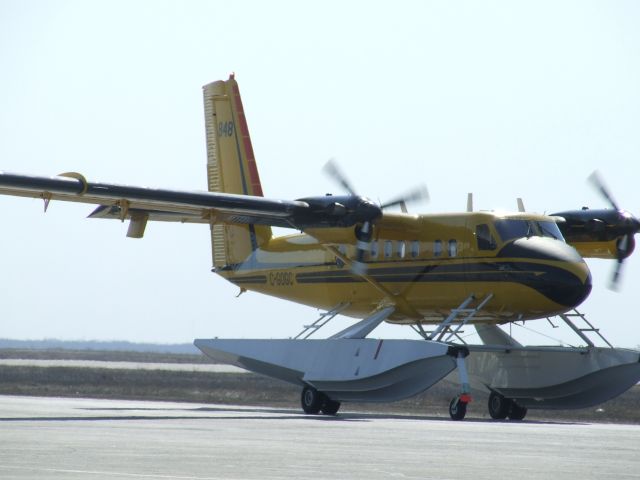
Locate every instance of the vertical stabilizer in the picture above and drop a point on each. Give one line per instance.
(231, 168)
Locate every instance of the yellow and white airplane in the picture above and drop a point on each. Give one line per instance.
(353, 257)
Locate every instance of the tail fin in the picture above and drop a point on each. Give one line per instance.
(231, 168)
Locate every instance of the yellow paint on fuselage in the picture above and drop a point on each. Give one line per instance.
(429, 264)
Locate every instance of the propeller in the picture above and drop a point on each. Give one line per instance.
(625, 226)
(415, 195)
(596, 180)
(368, 214)
(331, 168)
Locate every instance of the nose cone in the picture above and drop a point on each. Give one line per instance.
(570, 289)
(551, 267)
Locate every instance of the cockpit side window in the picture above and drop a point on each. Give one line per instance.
(484, 238)
(550, 229)
(510, 229)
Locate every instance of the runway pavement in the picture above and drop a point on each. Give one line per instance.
(112, 439)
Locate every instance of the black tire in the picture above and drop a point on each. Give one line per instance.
(311, 400)
(330, 407)
(457, 409)
(516, 412)
(498, 406)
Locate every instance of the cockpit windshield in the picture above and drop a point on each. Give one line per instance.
(508, 229)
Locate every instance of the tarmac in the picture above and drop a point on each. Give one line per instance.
(62, 438)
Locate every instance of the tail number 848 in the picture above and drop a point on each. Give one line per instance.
(281, 279)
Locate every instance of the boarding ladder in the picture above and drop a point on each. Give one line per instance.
(457, 319)
(582, 331)
(324, 318)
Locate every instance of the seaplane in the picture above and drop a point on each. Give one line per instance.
(436, 273)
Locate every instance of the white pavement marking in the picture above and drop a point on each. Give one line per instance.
(177, 367)
(84, 473)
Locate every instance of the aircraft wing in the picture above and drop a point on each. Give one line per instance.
(132, 202)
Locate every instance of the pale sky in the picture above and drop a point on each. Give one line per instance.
(502, 99)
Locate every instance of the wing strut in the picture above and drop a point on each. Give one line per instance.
(401, 304)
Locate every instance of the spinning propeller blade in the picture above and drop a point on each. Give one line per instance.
(626, 224)
(417, 194)
(364, 233)
(331, 168)
(598, 184)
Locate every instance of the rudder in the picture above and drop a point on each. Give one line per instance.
(231, 168)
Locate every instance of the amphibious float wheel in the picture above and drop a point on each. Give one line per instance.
(457, 409)
(516, 412)
(498, 406)
(311, 400)
(330, 407)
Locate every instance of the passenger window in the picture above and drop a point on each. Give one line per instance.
(388, 248)
(415, 249)
(343, 250)
(437, 248)
(484, 238)
(402, 249)
(373, 253)
(453, 248)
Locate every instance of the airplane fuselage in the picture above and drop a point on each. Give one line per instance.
(429, 264)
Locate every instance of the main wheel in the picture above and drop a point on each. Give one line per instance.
(457, 409)
(311, 400)
(330, 407)
(498, 406)
(516, 412)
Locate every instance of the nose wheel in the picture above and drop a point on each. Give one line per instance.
(458, 407)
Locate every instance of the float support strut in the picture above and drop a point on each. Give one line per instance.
(465, 394)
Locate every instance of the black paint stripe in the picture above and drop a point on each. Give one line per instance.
(555, 283)
(503, 266)
(254, 279)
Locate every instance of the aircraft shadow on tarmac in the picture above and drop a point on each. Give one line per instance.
(254, 414)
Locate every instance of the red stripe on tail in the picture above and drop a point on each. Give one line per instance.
(254, 177)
